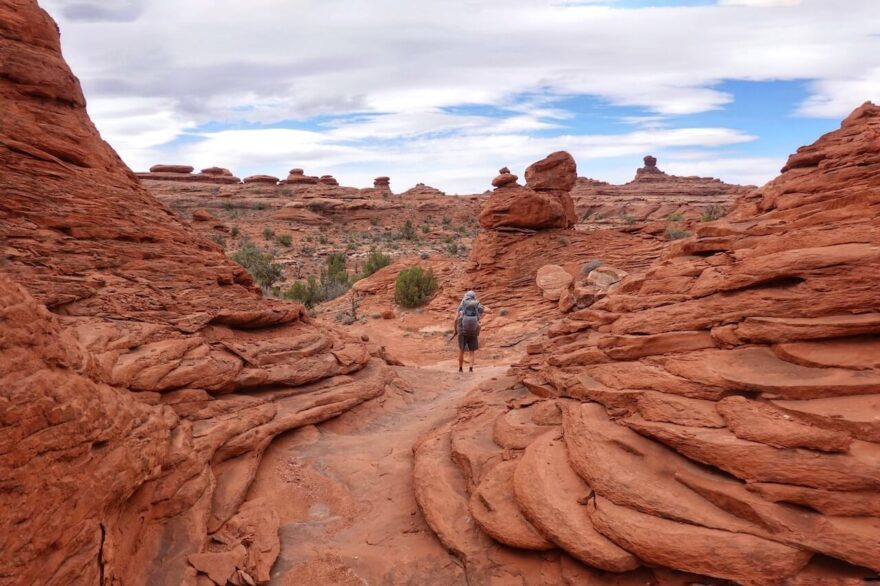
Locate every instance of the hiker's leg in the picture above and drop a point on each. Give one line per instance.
(472, 359)
(460, 358)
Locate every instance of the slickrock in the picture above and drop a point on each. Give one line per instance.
(143, 374)
(743, 558)
(720, 407)
(553, 497)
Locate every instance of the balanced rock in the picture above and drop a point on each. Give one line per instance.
(557, 171)
(546, 206)
(504, 178)
(328, 180)
(298, 177)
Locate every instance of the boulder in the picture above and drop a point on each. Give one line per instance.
(557, 172)
(605, 276)
(553, 280)
(203, 215)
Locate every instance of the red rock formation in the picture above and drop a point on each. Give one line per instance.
(719, 412)
(183, 173)
(543, 203)
(653, 197)
(261, 179)
(298, 177)
(130, 353)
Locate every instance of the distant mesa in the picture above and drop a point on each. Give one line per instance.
(261, 179)
(183, 173)
(171, 169)
(422, 191)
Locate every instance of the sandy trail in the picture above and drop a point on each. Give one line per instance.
(344, 492)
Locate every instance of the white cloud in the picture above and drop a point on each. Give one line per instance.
(398, 70)
(732, 169)
(761, 3)
(837, 97)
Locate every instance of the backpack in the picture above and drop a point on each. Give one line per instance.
(470, 320)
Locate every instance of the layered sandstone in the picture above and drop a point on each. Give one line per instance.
(715, 416)
(183, 173)
(653, 197)
(143, 374)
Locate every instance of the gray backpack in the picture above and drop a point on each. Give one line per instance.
(470, 320)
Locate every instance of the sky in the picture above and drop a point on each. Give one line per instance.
(446, 92)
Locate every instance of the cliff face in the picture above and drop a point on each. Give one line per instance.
(130, 351)
(716, 415)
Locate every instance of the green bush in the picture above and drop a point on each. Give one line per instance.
(258, 264)
(333, 283)
(426, 228)
(284, 240)
(452, 248)
(218, 238)
(235, 232)
(268, 233)
(675, 217)
(375, 261)
(414, 286)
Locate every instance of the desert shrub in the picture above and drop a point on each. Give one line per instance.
(268, 233)
(426, 228)
(218, 238)
(284, 240)
(375, 261)
(227, 205)
(351, 246)
(460, 229)
(447, 220)
(259, 264)
(503, 311)
(374, 221)
(712, 213)
(323, 239)
(676, 234)
(333, 283)
(408, 232)
(235, 232)
(425, 256)
(564, 241)
(452, 248)
(414, 286)
(675, 217)
(260, 206)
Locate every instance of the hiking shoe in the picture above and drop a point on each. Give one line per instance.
(459, 369)
(471, 369)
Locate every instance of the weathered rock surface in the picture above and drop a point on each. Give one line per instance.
(143, 375)
(720, 407)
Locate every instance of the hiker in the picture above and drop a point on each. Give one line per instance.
(467, 326)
